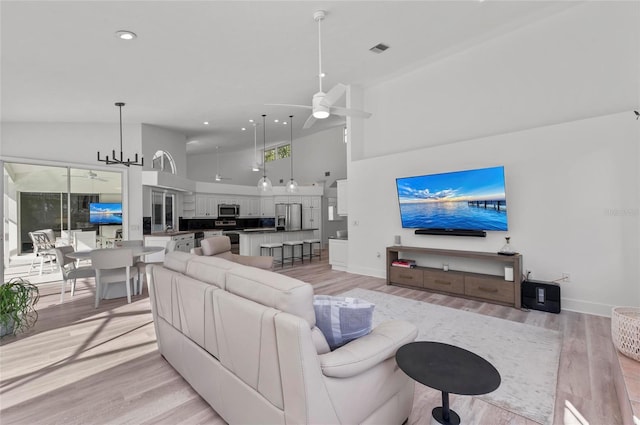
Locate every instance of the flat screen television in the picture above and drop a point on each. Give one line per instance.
(461, 200)
(105, 213)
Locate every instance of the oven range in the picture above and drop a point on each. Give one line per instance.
(229, 229)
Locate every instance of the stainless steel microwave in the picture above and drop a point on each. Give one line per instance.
(228, 210)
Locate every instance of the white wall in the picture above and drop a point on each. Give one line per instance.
(78, 144)
(312, 156)
(156, 138)
(552, 102)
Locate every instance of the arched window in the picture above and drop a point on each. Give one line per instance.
(164, 162)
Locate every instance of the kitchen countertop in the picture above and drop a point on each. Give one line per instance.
(339, 238)
(176, 233)
(270, 230)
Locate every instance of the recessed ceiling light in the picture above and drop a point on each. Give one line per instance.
(125, 35)
(206, 123)
(276, 120)
(250, 120)
(284, 123)
(244, 128)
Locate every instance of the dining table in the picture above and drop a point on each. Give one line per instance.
(116, 290)
(137, 251)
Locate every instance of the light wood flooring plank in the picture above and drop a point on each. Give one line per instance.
(81, 365)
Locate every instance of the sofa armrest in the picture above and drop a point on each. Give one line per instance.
(259, 261)
(364, 353)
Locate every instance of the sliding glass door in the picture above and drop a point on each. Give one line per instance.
(53, 197)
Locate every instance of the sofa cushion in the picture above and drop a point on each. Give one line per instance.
(342, 319)
(212, 270)
(177, 261)
(273, 290)
(216, 245)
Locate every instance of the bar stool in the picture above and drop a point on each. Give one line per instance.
(293, 245)
(312, 242)
(271, 247)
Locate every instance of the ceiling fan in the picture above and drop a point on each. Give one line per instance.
(218, 175)
(90, 175)
(322, 104)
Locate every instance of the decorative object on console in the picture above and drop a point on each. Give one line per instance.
(114, 159)
(342, 319)
(506, 248)
(264, 184)
(461, 203)
(292, 185)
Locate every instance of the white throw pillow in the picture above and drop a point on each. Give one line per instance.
(342, 319)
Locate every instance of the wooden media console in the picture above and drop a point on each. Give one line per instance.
(479, 286)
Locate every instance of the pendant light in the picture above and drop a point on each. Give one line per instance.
(292, 185)
(264, 184)
(256, 164)
(114, 159)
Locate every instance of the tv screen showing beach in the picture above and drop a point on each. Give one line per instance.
(470, 199)
(105, 213)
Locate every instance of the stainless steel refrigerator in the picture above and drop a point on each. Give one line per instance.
(289, 216)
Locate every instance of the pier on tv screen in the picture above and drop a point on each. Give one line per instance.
(105, 213)
(469, 199)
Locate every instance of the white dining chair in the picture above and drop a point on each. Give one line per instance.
(83, 241)
(69, 270)
(142, 265)
(42, 250)
(137, 260)
(111, 266)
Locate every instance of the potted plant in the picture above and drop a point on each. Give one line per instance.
(18, 298)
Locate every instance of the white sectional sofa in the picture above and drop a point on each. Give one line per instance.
(245, 339)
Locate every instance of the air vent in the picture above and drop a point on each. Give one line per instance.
(379, 48)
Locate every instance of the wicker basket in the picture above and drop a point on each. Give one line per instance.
(625, 330)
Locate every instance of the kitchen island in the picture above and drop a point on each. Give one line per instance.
(251, 239)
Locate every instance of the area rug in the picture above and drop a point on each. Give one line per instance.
(526, 356)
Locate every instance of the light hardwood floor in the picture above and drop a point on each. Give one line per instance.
(81, 365)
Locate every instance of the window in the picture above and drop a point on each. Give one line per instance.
(284, 151)
(279, 152)
(269, 155)
(163, 161)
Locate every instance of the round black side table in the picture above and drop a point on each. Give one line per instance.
(449, 369)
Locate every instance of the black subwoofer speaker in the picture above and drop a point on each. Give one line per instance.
(543, 296)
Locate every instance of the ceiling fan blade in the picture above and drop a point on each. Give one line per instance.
(309, 122)
(334, 94)
(289, 105)
(345, 112)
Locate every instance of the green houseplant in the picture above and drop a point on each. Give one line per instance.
(18, 298)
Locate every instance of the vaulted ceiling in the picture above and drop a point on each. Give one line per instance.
(222, 61)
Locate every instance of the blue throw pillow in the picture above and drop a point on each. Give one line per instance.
(342, 319)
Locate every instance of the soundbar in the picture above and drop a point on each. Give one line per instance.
(451, 232)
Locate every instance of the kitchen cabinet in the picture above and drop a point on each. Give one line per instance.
(312, 213)
(206, 206)
(254, 207)
(343, 202)
(338, 254)
(267, 207)
(184, 242)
